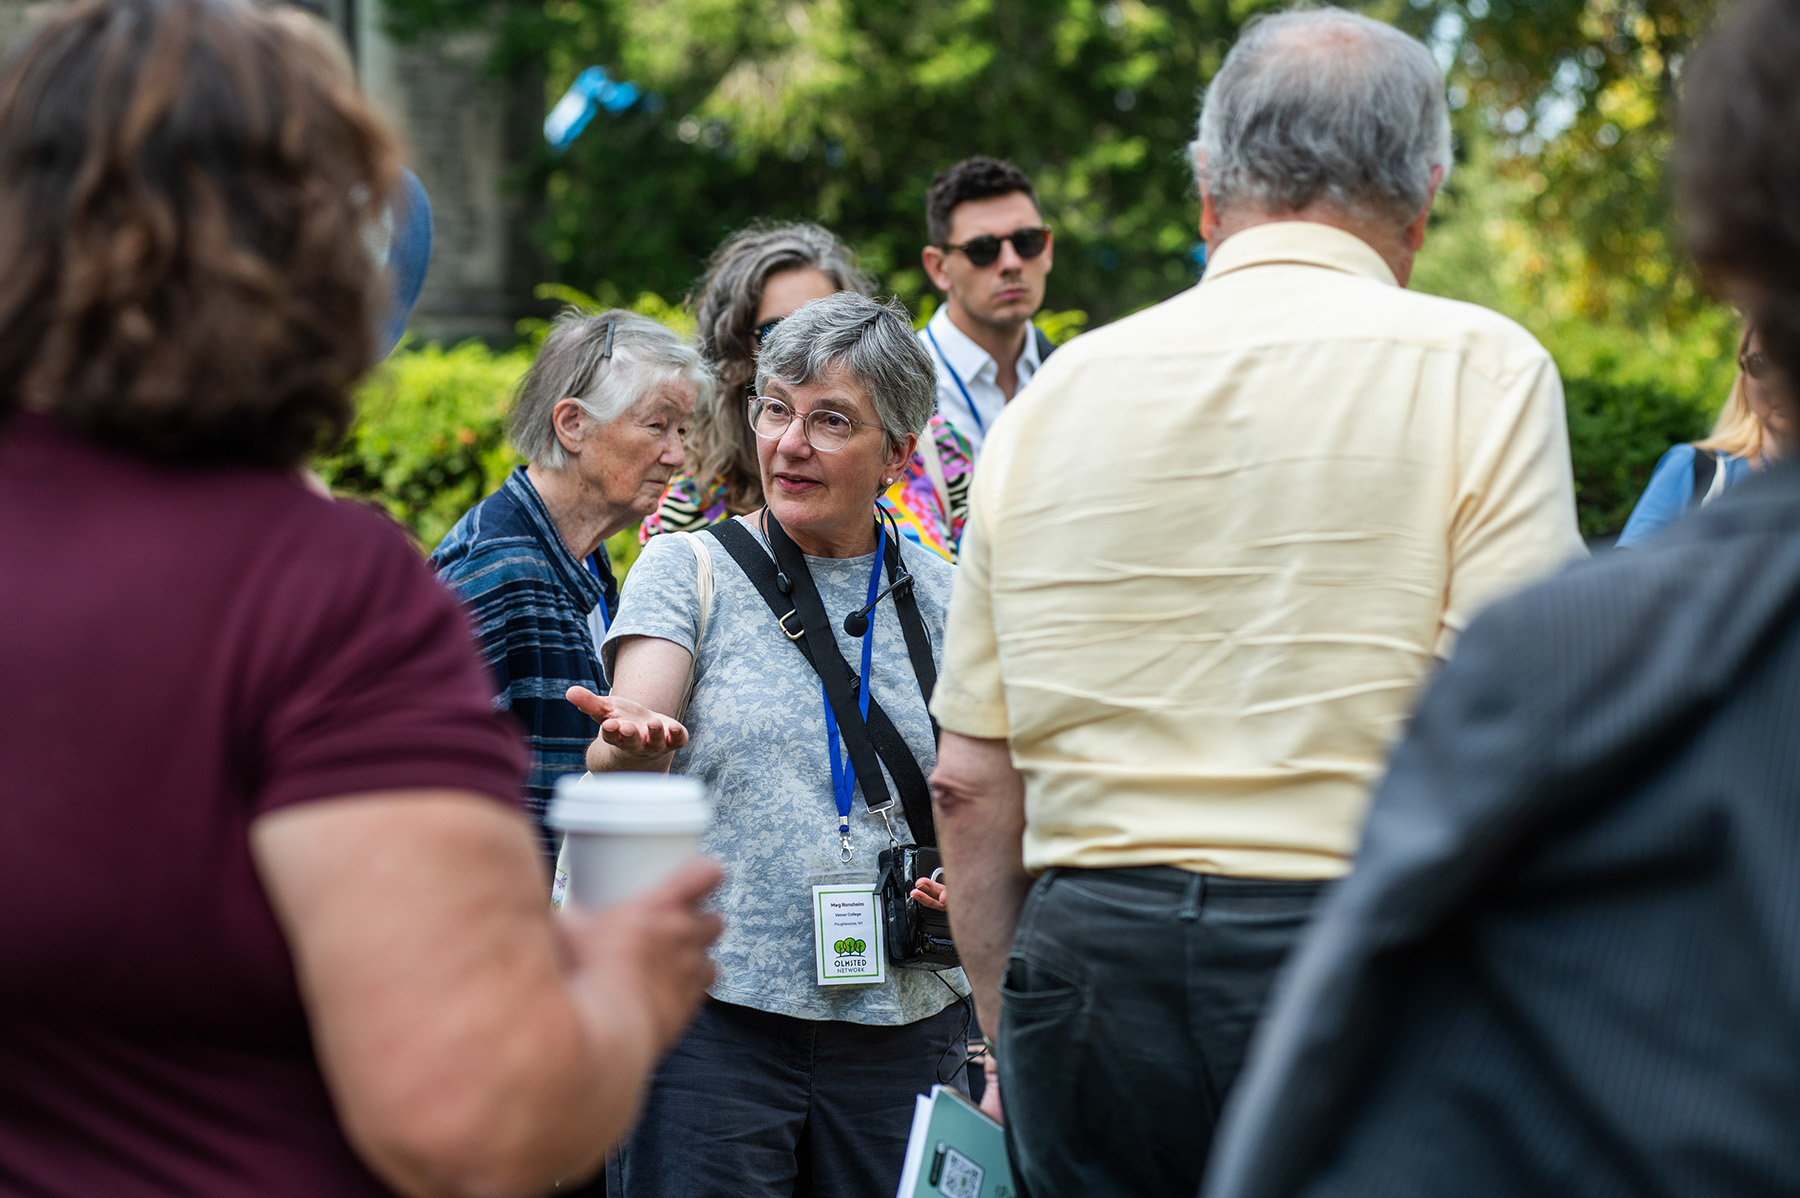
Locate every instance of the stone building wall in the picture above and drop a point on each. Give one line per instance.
(463, 131)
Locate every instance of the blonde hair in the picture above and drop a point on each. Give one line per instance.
(1737, 431)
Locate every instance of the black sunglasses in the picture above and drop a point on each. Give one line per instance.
(764, 329)
(1756, 365)
(984, 250)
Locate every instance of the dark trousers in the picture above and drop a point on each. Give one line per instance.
(755, 1105)
(1128, 1001)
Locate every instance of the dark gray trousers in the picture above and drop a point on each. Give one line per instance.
(756, 1105)
(1127, 1004)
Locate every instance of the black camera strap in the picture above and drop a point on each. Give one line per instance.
(877, 742)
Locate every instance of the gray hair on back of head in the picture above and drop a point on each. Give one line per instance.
(871, 342)
(572, 365)
(1324, 106)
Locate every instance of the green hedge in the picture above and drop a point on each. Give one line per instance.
(1617, 431)
(430, 440)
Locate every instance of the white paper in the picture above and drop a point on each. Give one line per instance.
(847, 947)
(915, 1147)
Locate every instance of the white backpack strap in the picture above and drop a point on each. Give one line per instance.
(703, 590)
(934, 467)
(1718, 480)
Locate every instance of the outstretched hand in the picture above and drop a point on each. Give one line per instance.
(629, 730)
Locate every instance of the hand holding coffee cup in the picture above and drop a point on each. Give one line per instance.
(625, 833)
(646, 957)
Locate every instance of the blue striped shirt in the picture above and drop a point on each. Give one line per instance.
(536, 611)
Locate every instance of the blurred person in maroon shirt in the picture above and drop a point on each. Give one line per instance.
(274, 922)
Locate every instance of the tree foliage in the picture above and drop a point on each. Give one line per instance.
(841, 111)
(1574, 100)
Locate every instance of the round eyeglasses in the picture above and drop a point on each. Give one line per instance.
(825, 430)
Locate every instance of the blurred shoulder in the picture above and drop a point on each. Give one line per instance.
(1148, 329)
(337, 531)
(1489, 343)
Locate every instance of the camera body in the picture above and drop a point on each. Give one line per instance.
(918, 937)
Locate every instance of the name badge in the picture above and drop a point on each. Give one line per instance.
(847, 945)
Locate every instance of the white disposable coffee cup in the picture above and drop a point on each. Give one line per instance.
(624, 833)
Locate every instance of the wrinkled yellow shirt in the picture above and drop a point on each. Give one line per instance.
(1216, 547)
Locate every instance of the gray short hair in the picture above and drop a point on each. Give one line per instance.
(1324, 105)
(872, 342)
(573, 364)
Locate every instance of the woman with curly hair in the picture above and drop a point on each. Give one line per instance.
(274, 922)
(758, 277)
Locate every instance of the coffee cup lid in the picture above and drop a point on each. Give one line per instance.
(633, 804)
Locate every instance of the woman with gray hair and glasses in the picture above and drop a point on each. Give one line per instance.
(800, 1073)
(600, 419)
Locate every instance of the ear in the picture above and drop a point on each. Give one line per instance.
(570, 421)
(1049, 254)
(1209, 217)
(1415, 232)
(1209, 211)
(934, 259)
(897, 460)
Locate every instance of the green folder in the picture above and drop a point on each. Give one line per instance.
(954, 1151)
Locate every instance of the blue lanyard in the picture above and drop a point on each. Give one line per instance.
(593, 563)
(843, 773)
(957, 379)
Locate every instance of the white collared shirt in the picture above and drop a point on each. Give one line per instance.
(971, 414)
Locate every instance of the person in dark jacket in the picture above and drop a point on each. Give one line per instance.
(1568, 958)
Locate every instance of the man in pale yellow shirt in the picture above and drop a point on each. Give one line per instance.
(1212, 554)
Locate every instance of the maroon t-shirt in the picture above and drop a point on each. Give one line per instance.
(181, 651)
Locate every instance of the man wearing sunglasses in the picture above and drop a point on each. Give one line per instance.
(989, 254)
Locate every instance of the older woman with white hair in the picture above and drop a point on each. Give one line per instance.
(600, 419)
(809, 666)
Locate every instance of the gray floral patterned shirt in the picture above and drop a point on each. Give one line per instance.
(757, 723)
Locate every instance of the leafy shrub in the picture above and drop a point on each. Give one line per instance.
(1617, 431)
(429, 440)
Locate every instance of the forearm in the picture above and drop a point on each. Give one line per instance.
(464, 1053)
(652, 674)
(979, 799)
(515, 1109)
